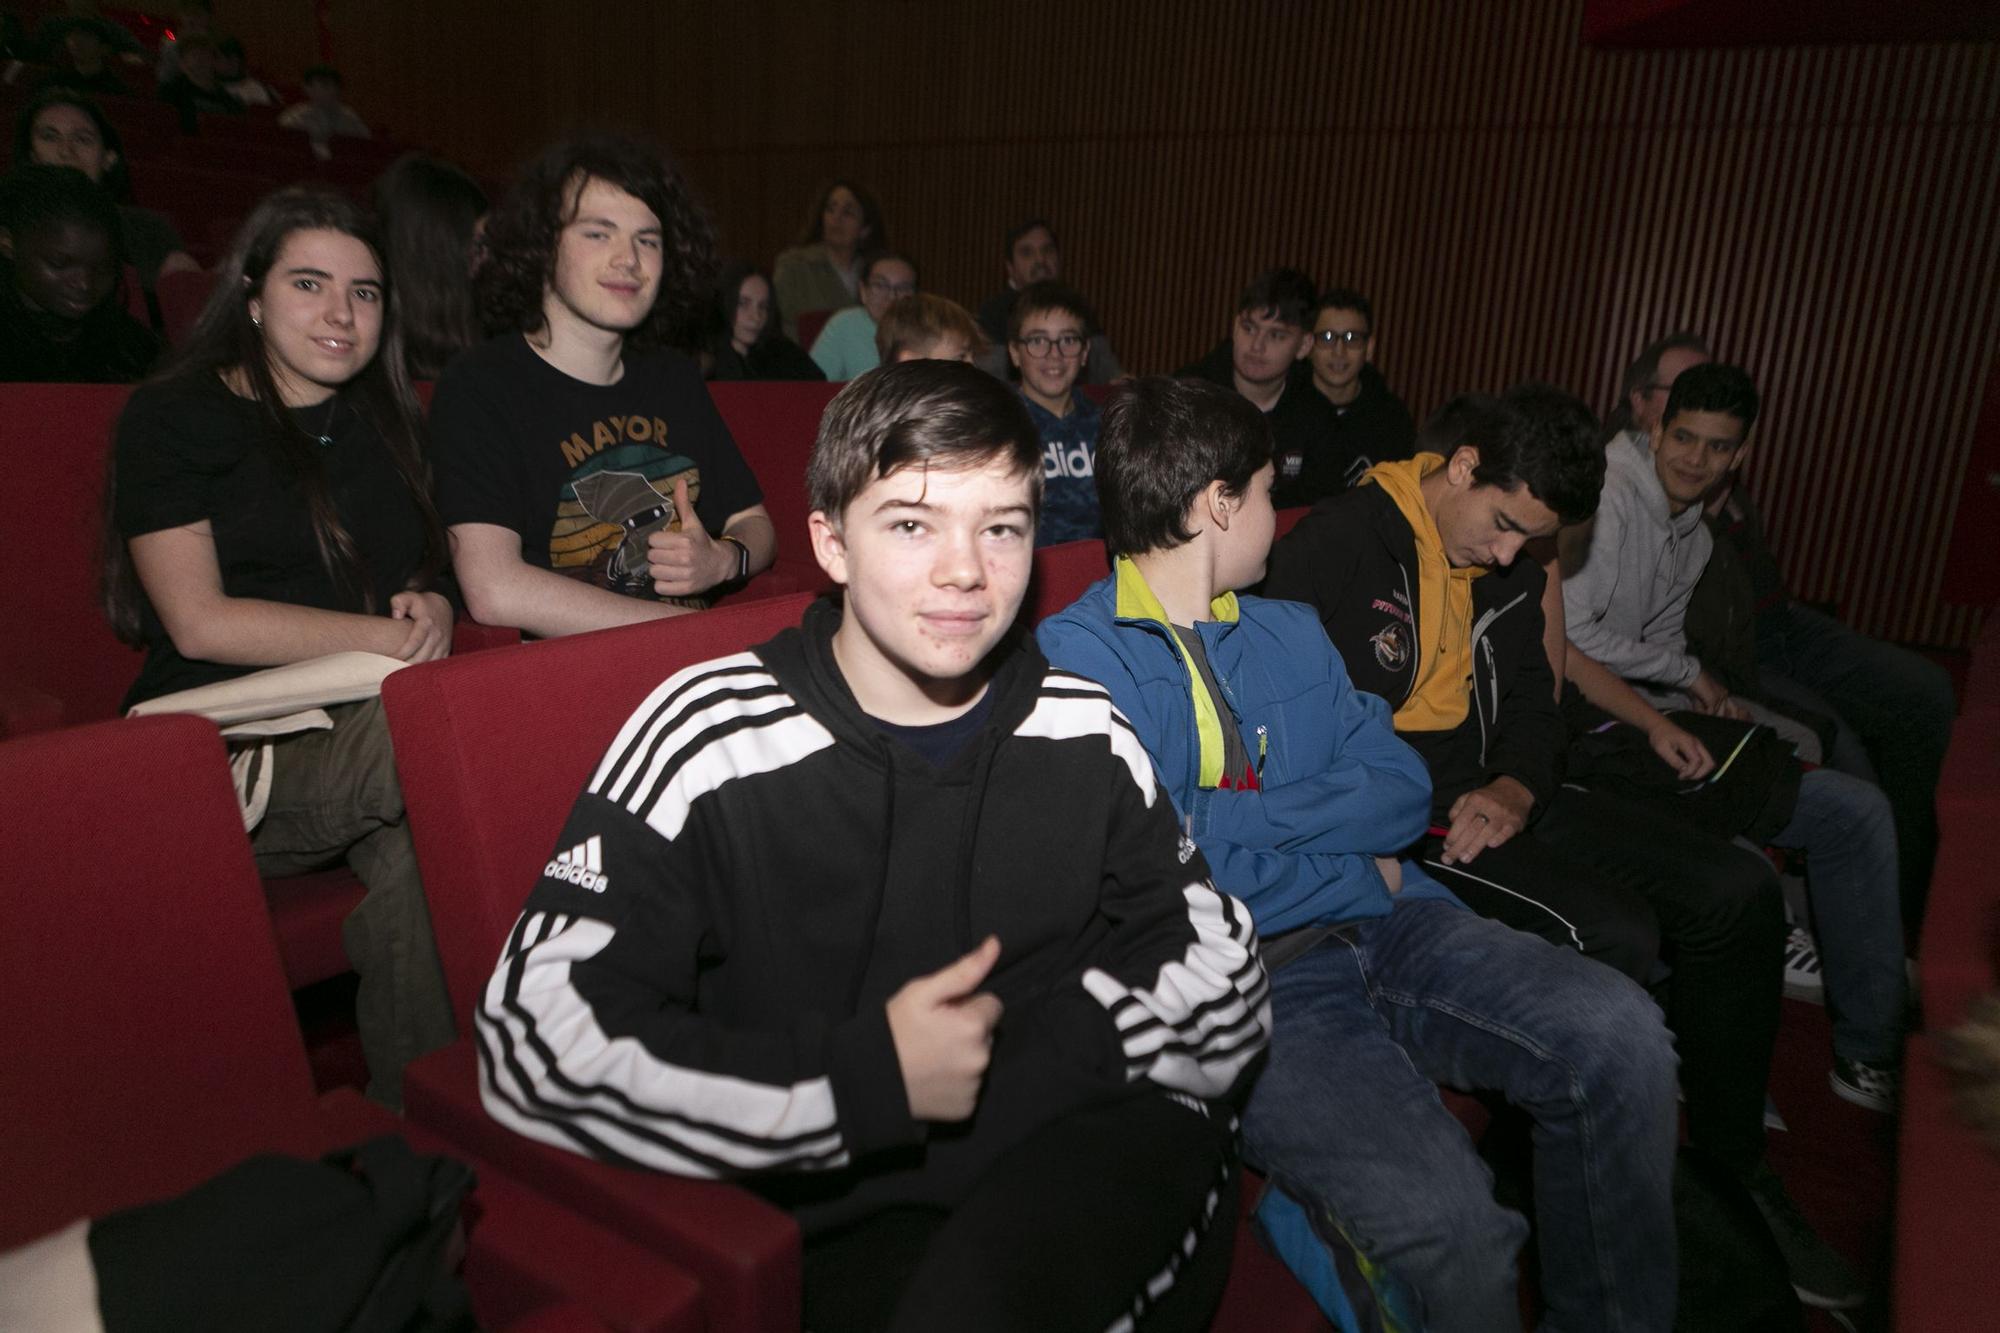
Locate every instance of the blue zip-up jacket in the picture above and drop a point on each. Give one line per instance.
(1338, 787)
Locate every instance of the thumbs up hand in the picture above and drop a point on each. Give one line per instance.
(689, 561)
(942, 1025)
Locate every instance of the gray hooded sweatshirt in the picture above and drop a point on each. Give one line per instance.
(1626, 603)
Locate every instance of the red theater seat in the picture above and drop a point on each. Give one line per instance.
(810, 324)
(486, 803)
(1062, 573)
(154, 1044)
(182, 296)
(774, 425)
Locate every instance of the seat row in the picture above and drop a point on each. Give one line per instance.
(168, 926)
(1948, 1182)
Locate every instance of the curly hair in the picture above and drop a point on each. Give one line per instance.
(523, 232)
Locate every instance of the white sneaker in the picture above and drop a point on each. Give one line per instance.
(1802, 971)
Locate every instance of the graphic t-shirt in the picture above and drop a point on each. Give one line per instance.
(1069, 471)
(585, 473)
(189, 450)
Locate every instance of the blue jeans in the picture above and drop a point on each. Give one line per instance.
(1895, 710)
(1346, 1116)
(1848, 834)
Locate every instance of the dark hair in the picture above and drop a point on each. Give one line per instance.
(1162, 443)
(877, 257)
(428, 211)
(38, 194)
(1642, 370)
(729, 280)
(1536, 437)
(1016, 233)
(1282, 294)
(942, 414)
(1714, 386)
(117, 181)
(313, 73)
(1039, 298)
(1346, 298)
(232, 46)
(225, 339)
(523, 233)
(871, 216)
(922, 319)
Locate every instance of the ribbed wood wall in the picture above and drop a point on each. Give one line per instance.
(1517, 205)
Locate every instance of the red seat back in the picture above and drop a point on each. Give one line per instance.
(494, 748)
(152, 1042)
(1062, 573)
(774, 425)
(57, 640)
(182, 296)
(1289, 519)
(810, 324)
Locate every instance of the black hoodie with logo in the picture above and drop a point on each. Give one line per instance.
(698, 983)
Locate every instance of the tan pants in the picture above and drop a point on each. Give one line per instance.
(335, 797)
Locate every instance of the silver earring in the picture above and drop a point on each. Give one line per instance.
(256, 322)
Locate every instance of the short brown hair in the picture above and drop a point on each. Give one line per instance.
(922, 320)
(918, 414)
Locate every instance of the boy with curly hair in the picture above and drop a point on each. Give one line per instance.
(584, 472)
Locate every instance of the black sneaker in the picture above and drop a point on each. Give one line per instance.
(1874, 1086)
(1820, 1277)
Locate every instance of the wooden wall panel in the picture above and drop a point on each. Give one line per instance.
(1516, 204)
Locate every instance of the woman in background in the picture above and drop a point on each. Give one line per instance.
(268, 503)
(63, 128)
(431, 214)
(823, 271)
(744, 342)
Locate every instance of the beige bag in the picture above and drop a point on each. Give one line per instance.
(252, 710)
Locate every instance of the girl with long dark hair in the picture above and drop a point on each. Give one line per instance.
(744, 340)
(269, 503)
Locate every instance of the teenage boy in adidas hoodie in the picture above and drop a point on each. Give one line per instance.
(1300, 796)
(899, 927)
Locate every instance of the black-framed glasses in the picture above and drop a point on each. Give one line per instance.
(895, 290)
(1347, 338)
(1041, 344)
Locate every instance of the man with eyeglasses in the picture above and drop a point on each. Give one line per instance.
(1048, 342)
(1371, 423)
(846, 347)
(1034, 255)
(1267, 342)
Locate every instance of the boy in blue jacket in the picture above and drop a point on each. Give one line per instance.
(1301, 798)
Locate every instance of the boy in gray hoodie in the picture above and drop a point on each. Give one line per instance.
(1625, 598)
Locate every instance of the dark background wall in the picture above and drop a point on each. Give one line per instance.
(1516, 204)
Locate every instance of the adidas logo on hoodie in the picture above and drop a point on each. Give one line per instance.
(582, 865)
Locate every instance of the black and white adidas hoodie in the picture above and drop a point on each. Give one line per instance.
(698, 983)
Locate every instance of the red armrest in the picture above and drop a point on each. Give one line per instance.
(743, 1251)
(471, 636)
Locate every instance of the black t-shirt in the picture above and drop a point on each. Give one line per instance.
(189, 450)
(583, 472)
